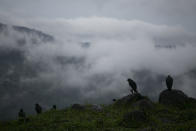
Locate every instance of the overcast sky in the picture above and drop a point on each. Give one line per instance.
(169, 12)
(101, 43)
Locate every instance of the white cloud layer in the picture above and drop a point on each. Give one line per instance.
(98, 54)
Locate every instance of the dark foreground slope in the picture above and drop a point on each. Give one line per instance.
(140, 114)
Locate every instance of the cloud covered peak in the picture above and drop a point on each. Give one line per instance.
(91, 58)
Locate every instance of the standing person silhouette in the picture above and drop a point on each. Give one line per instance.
(133, 85)
(21, 115)
(38, 109)
(169, 82)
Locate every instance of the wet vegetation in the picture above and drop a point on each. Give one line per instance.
(109, 118)
(130, 113)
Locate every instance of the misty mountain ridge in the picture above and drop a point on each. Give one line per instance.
(35, 68)
(14, 58)
(18, 72)
(13, 64)
(21, 29)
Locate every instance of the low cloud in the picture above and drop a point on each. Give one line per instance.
(91, 58)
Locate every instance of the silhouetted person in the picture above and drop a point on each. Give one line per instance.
(38, 108)
(21, 115)
(133, 85)
(54, 107)
(169, 82)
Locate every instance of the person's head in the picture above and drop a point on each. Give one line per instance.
(169, 77)
(128, 79)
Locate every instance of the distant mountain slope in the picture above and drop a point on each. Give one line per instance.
(15, 43)
(12, 48)
(21, 29)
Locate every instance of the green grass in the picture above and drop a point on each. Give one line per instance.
(160, 118)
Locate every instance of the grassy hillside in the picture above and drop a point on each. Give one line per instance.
(109, 118)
